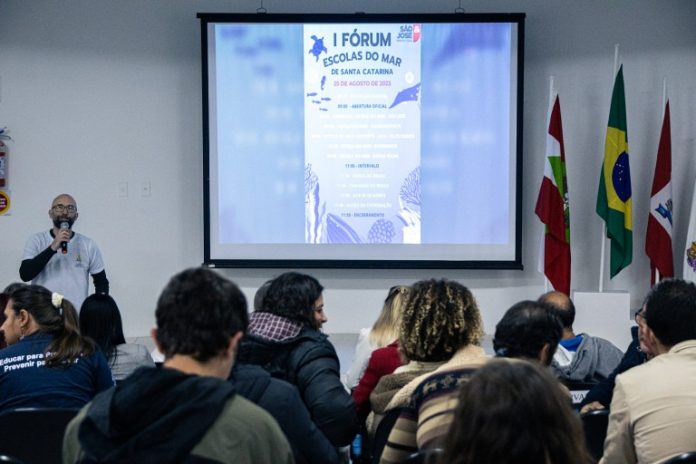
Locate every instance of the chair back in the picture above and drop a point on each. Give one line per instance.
(578, 391)
(34, 435)
(684, 458)
(424, 457)
(5, 459)
(595, 423)
(382, 433)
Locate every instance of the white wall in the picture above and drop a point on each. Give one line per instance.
(97, 93)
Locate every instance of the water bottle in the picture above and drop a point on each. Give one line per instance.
(356, 454)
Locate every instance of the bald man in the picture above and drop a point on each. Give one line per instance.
(582, 357)
(62, 260)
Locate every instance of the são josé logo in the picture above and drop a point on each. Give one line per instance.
(409, 33)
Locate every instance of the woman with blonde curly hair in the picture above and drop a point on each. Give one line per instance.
(440, 335)
(440, 317)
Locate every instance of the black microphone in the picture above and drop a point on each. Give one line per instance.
(65, 225)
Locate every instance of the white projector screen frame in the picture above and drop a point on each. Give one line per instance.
(362, 141)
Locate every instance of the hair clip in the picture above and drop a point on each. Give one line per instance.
(57, 300)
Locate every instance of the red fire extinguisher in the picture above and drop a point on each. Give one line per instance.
(3, 165)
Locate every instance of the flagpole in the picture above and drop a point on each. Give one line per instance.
(604, 225)
(551, 92)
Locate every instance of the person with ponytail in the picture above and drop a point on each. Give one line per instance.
(47, 363)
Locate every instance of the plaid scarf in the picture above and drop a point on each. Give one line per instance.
(272, 327)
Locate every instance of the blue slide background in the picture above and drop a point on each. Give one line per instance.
(465, 148)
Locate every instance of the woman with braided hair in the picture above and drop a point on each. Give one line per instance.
(47, 363)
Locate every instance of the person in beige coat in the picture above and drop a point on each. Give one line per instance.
(653, 411)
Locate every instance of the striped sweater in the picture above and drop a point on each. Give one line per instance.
(425, 421)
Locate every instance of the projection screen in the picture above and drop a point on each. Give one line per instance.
(363, 141)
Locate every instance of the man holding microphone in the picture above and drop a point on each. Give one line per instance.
(61, 259)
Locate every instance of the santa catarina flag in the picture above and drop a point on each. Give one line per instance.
(552, 206)
(614, 203)
(658, 239)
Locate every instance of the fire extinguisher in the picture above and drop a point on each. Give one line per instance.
(3, 165)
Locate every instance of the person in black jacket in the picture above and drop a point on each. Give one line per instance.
(283, 402)
(600, 395)
(284, 339)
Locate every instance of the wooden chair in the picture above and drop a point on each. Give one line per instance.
(34, 435)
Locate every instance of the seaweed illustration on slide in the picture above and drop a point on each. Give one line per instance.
(384, 230)
(410, 206)
(323, 227)
(314, 209)
(338, 231)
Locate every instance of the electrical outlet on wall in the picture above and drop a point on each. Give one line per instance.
(145, 189)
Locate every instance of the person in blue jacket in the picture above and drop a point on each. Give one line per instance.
(47, 363)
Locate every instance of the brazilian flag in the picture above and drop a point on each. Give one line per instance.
(614, 203)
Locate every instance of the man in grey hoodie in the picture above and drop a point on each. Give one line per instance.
(581, 357)
(184, 412)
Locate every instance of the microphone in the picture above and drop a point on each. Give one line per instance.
(65, 225)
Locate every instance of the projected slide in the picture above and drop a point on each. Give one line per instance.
(362, 134)
(362, 140)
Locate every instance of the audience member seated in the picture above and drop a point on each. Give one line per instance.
(185, 411)
(446, 314)
(283, 402)
(284, 340)
(599, 396)
(384, 359)
(261, 294)
(421, 347)
(529, 330)
(653, 412)
(100, 320)
(514, 411)
(47, 363)
(582, 357)
(384, 331)
(3, 301)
